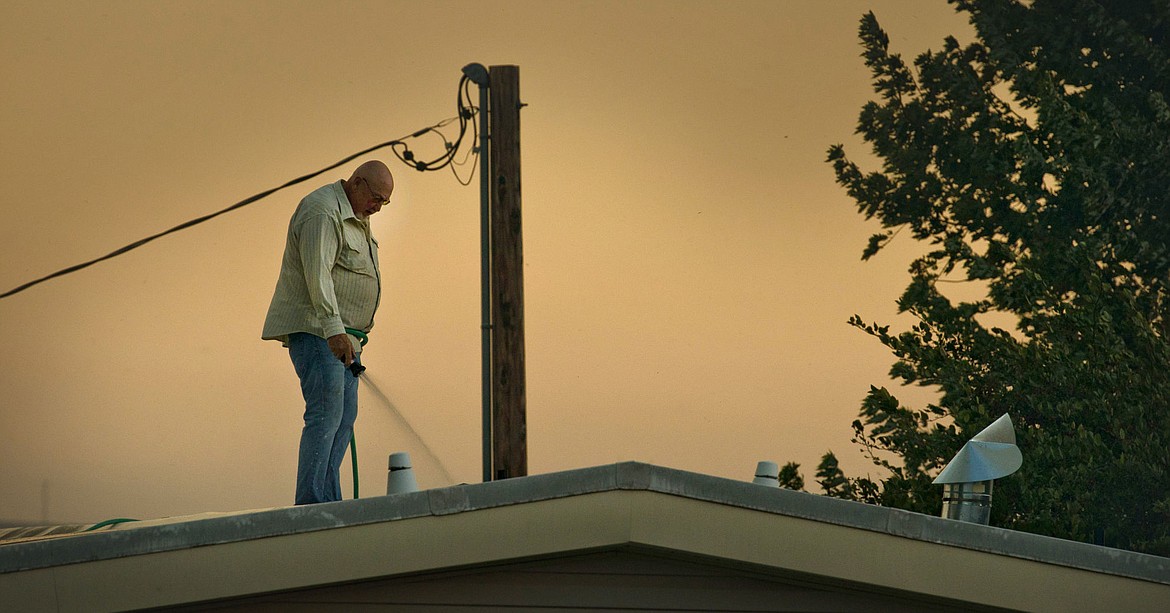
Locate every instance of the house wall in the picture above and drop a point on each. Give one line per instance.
(617, 580)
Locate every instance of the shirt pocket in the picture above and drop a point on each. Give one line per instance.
(355, 255)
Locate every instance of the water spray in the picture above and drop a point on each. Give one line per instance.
(406, 424)
(358, 370)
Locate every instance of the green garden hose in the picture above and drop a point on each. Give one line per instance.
(362, 339)
(108, 522)
(361, 336)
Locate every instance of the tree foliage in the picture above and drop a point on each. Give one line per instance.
(1035, 163)
(790, 477)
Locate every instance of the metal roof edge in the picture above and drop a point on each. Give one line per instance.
(248, 525)
(907, 524)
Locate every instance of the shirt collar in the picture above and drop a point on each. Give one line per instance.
(343, 204)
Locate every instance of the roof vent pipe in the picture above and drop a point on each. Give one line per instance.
(401, 479)
(767, 473)
(967, 478)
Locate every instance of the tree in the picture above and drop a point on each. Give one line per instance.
(790, 478)
(1035, 163)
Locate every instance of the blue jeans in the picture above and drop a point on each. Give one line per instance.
(330, 392)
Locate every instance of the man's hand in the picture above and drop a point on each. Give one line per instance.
(341, 347)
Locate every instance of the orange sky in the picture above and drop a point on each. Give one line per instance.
(690, 263)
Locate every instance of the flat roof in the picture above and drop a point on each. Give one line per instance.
(594, 508)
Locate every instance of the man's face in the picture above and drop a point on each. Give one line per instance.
(371, 198)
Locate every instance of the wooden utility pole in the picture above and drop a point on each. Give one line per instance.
(509, 422)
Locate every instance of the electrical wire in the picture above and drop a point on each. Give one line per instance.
(466, 113)
(465, 91)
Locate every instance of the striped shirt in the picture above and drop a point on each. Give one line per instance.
(329, 278)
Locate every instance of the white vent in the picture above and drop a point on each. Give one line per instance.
(767, 473)
(400, 479)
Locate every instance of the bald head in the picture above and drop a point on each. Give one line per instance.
(369, 188)
(374, 170)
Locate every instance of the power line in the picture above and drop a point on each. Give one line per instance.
(467, 113)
